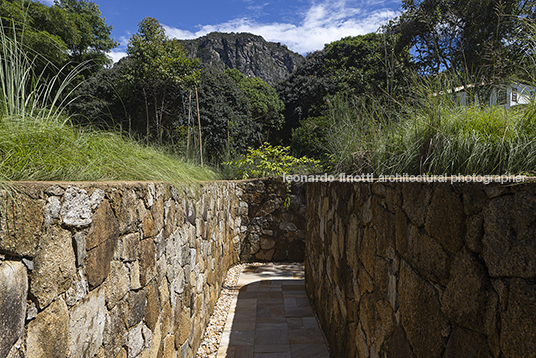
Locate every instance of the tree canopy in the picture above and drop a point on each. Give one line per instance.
(265, 105)
(156, 64)
(357, 65)
(70, 31)
(464, 37)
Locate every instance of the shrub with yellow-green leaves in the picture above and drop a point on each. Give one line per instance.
(270, 161)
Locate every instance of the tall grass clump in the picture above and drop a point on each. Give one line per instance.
(33, 150)
(432, 134)
(37, 141)
(25, 93)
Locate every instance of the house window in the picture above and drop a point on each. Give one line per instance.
(514, 95)
(501, 97)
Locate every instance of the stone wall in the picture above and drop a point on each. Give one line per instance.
(113, 270)
(131, 269)
(423, 270)
(275, 221)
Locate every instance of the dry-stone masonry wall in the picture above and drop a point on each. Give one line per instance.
(394, 270)
(121, 269)
(423, 270)
(275, 221)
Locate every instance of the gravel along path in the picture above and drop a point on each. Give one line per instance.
(213, 333)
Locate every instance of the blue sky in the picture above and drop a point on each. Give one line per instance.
(303, 25)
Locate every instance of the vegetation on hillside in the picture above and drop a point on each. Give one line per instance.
(37, 141)
(378, 103)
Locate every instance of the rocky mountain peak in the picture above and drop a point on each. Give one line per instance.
(250, 54)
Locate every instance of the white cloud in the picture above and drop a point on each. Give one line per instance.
(323, 22)
(116, 55)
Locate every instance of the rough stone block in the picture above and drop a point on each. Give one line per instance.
(398, 346)
(427, 255)
(101, 242)
(267, 242)
(115, 331)
(152, 310)
(78, 290)
(128, 247)
(80, 248)
(147, 260)
(88, 319)
(265, 255)
(135, 341)
(52, 210)
(415, 201)
(13, 294)
(54, 266)
(158, 216)
(21, 219)
(147, 225)
(367, 249)
(509, 248)
(420, 314)
(287, 226)
(385, 231)
(474, 199)
(117, 284)
(127, 214)
(76, 208)
(475, 231)
(518, 336)
(469, 299)
(445, 220)
(137, 301)
(466, 343)
(48, 333)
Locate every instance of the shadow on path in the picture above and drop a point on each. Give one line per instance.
(272, 317)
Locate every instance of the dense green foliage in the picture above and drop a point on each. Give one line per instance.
(52, 150)
(436, 137)
(38, 143)
(69, 33)
(153, 93)
(380, 103)
(227, 126)
(156, 64)
(265, 105)
(365, 65)
(464, 37)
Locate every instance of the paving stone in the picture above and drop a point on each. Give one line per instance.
(268, 331)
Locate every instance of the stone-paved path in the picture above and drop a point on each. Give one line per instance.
(271, 316)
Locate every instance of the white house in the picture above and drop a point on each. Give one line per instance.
(507, 96)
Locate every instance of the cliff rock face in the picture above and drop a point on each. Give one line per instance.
(250, 54)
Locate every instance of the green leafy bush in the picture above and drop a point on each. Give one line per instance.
(269, 161)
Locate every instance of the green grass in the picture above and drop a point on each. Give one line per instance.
(55, 151)
(434, 136)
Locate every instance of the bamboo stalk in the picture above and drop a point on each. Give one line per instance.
(199, 123)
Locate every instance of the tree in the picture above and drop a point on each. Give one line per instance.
(227, 124)
(156, 64)
(92, 39)
(265, 105)
(69, 32)
(464, 37)
(303, 92)
(367, 65)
